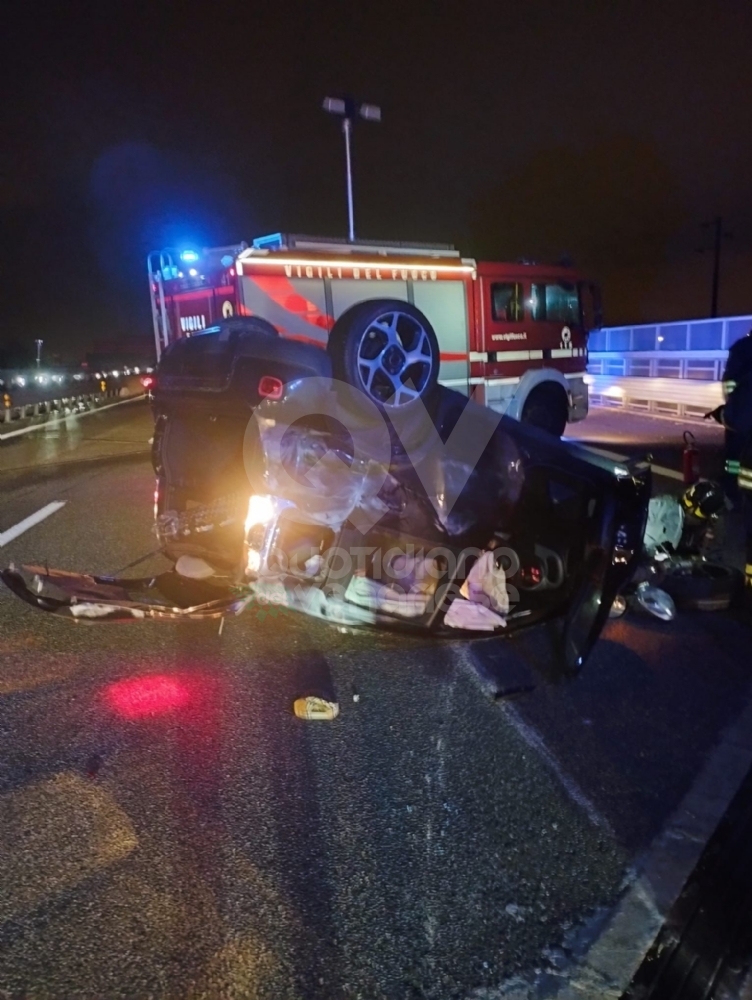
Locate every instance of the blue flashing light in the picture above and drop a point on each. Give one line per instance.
(189, 256)
(272, 242)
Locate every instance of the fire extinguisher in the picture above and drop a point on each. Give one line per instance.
(690, 460)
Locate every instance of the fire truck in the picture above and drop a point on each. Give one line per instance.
(395, 318)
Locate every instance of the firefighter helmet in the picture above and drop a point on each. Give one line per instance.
(703, 499)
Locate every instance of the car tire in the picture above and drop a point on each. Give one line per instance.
(709, 587)
(387, 349)
(546, 408)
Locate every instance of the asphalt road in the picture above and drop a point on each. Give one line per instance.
(624, 433)
(168, 828)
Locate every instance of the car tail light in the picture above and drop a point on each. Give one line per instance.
(148, 382)
(270, 387)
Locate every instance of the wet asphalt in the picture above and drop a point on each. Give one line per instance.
(168, 828)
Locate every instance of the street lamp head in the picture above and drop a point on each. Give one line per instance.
(371, 112)
(347, 108)
(334, 105)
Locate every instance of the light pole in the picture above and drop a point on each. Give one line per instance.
(718, 235)
(39, 351)
(349, 110)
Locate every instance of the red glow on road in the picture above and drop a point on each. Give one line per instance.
(154, 694)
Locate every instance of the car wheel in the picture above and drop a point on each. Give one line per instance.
(388, 350)
(708, 587)
(546, 408)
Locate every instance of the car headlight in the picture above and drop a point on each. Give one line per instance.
(260, 511)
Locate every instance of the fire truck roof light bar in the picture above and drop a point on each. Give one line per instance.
(254, 259)
(289, 241)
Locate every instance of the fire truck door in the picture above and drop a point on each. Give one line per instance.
(506, 330)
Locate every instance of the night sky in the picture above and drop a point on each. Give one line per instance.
(607, 132)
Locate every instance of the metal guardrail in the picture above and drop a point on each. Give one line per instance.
(669, 369)
(671, 384)
(55, 407)
(28, 415)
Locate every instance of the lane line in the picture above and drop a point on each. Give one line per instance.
(57, 420)
(464, 659)
(535, 741)
(659, 470)
(29, 522)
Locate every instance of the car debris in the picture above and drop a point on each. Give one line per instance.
(312, 708)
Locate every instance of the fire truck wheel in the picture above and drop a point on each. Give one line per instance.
(546, 407)
(388, 349)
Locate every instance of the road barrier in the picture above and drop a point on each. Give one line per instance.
(667, 369)
(52, 406)
(13, 418)
(642, 382)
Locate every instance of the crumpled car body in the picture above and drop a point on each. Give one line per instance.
(319, 501)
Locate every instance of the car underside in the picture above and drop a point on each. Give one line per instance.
(279, 484)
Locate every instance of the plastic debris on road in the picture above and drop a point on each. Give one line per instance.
(193, 568)
(313, 708)
(656, 602)
(469, 615)
(88, 610)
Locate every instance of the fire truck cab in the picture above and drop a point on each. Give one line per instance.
(395, 318)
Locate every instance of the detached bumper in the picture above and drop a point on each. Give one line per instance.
(84, 598)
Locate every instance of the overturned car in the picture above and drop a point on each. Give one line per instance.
(279, 482)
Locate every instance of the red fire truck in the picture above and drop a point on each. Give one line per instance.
(512, 335)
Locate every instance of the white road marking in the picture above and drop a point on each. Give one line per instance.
(57, 420)
(659, 470)
(535, 741)
(29, 522)
(530, 735)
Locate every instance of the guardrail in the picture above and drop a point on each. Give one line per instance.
(669, 383)
(20, 419)
(670, 369)
(47, 407)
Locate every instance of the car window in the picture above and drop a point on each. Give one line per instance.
(506, 301)
(556, 302)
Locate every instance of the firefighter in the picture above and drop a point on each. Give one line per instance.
(738, 368)
(736, 416)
